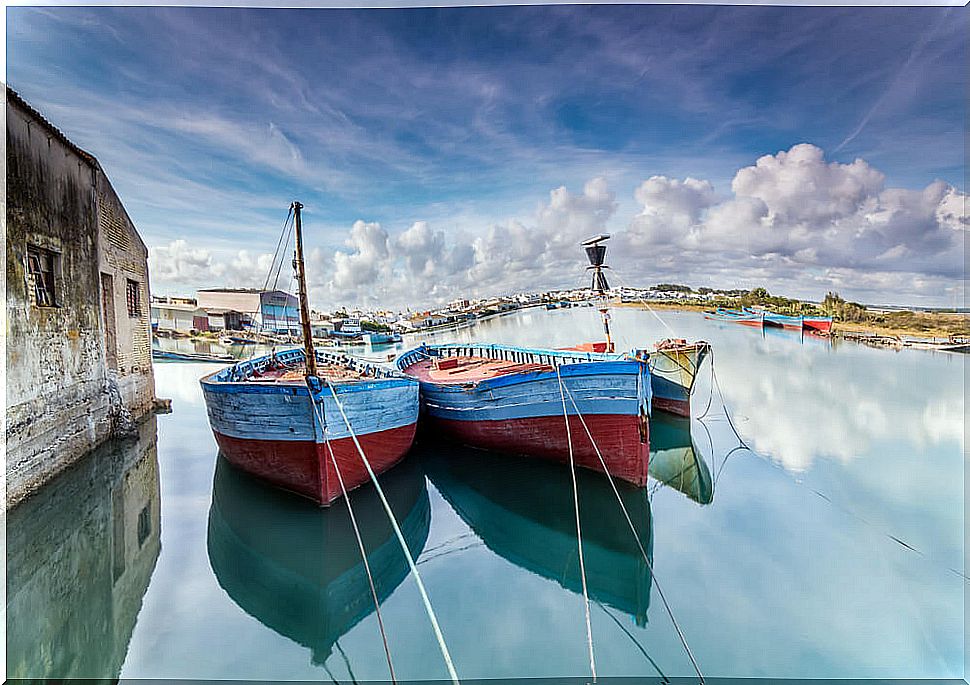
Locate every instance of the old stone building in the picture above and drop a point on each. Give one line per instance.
(78, 338)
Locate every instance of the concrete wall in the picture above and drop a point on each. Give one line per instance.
(61, 399)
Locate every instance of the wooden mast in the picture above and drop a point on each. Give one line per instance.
(311, 359)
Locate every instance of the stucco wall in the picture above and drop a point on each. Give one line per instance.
(61, 400)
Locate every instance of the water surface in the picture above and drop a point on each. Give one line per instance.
(832, 546)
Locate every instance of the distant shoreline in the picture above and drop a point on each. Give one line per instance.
(922, 325)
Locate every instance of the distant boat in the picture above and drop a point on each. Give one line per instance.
(521, 509)
(378, 338)
(276, 417)
(297, 568)
(821, 324)
(171, 355)
(236, 340)
(508, 399)
(734, 316)
(675, 461)
(793, 323)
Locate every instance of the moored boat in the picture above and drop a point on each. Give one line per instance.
(673, 371)
(508, 399)
(822, 324)
(733, 316)
(284, 416)
(792, 323)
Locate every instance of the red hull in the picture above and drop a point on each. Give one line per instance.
(623, 440)
(821, 326)
(305, 468)
(671, 406)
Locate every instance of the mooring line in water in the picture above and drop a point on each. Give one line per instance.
(579, 533)
(400, 538)
(633, 529)
(635, 641)
(360, 541)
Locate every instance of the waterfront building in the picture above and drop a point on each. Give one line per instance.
(271, 311)
(78, 347)
(178, 317)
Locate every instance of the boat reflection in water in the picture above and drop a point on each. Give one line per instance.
(522, 509)
(80, 554)
(674, 459)
(296, 567)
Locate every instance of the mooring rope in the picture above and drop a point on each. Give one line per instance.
(579, 531)
(633, 529)
(400, 538)
(635, 641)
(644, 303)
(360, 541)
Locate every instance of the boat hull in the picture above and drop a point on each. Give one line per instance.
(616, 436)
(522, 413)
(277, 432)
(821, 324)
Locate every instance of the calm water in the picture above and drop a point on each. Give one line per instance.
(833, 547)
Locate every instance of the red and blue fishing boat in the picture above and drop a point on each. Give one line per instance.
(284, 416)
(792, 323)
(508, 399)
(820, 324)
(735, 316)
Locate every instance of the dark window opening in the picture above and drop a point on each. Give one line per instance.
(41, 271)
(134, 298)
(144, 525)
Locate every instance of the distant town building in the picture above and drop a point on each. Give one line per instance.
(181, 318)
(271, 311)
(78, 335)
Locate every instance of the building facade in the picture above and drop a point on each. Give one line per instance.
(78, 345)
(273, 311)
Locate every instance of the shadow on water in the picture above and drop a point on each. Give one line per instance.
(80, 554)
(296, 567)
(522, 509)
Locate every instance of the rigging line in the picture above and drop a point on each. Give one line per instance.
(360, 540)
(644, 303)
(579, 533)
(283, 231)
(636, 537)
(400, 538)
(343, 654)
(635, 641)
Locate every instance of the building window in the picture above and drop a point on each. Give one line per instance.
(41, 269)
(133, 294)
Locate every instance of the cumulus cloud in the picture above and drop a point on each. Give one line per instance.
(792, 221)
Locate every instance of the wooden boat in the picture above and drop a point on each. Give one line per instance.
(822, 324)
(508, 399)
(276, 417)
(236, 340)
(522, 510)
(173, 356)
(792, 323)
(733, 316)
(675, 461)
(297, 568)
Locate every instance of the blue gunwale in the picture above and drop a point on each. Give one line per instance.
(235, 379)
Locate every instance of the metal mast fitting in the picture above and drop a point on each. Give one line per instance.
(311, 359)
(596, 252)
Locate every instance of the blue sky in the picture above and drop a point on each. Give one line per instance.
(445, 134)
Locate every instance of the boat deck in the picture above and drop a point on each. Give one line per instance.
(296, 373)
(468, 369)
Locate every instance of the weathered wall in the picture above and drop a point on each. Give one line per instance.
(79, 557)
(124, 256)
(61, 399)
(56, 403)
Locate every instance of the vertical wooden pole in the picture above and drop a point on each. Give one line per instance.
(311, 359)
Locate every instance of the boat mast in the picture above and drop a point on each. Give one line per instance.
(311, 360)
(596, 254)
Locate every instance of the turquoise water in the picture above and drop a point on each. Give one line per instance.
(832, 547)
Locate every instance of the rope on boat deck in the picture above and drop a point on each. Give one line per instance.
(400, 538)
(360, 541)
(579, 531)
(633, 530)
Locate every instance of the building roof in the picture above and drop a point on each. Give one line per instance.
(14, 98)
